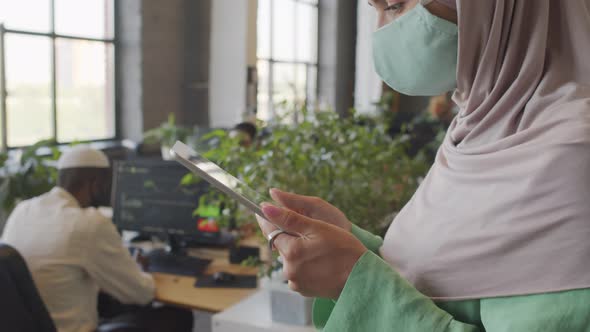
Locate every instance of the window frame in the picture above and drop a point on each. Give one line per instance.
(53, 37)
(271, 61)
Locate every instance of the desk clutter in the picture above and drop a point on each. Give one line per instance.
(226, 280)
(238, 281)
(184, 265)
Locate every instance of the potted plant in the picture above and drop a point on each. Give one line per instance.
(166, 135)
(31, 174)
(351, 162)
(423, 129)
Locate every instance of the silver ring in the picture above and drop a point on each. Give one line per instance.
(272, 236)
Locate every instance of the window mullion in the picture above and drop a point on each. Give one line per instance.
(53, 72)
(271, 107)
(295, 67)
(307, 69)
(3, 91)
(317, 54)
(53, 89)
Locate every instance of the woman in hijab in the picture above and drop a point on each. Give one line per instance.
(497, 237)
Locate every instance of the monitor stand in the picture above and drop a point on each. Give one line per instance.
(175, 246)
(175, 259)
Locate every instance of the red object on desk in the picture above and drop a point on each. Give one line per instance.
(207, 225)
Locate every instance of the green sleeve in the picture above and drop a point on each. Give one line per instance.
(376, 298)
(565, 311)
(372, 242)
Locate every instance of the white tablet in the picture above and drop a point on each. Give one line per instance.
(217, 177)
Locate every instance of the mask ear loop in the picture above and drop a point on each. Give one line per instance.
(425, 2)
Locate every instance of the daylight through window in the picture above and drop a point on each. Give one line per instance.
(287, 51)
(59, 73)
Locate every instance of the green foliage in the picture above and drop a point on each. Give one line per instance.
(265, 269)
(350, 162)
(32, 175)
(167, 133)
(423, 132)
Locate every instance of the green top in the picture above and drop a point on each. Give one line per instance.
(376, 298)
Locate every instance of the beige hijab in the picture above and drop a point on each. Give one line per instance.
(505, 209)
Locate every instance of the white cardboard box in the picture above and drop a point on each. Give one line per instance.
(252, 315)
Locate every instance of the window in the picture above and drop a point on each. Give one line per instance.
(58, 61)
(287, 54)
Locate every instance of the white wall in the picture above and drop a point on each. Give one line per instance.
(230, 35)
(367, 82)
(130, 59)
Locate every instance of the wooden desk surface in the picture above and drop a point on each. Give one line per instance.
(180, 291)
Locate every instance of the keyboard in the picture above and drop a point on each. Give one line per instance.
(164, 262)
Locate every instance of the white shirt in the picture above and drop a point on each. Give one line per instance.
(72, 253)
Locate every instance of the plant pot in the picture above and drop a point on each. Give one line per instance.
(287, 306)
(165, 150)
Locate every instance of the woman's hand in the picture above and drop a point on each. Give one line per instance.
(319, 260)
(312, 207)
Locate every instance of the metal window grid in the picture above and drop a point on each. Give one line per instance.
(53, 38)
(271, 61)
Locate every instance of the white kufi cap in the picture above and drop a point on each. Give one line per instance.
(81, 156)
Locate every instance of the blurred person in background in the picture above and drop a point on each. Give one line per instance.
(74, 251)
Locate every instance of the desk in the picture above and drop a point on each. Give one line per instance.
(180, 291)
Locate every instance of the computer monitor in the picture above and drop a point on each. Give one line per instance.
(148, 197)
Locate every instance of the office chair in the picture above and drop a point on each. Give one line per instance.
(21, 306)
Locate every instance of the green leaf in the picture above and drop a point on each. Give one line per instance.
(167, 133)
(189, 179)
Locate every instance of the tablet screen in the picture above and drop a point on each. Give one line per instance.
(219, 178)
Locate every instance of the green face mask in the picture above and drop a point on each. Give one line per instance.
(417, 53)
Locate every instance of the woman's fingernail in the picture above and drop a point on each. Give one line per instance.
(273, 193)
(270, 210)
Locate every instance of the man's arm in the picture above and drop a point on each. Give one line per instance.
(116, 273)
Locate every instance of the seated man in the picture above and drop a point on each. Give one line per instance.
(73, 251)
